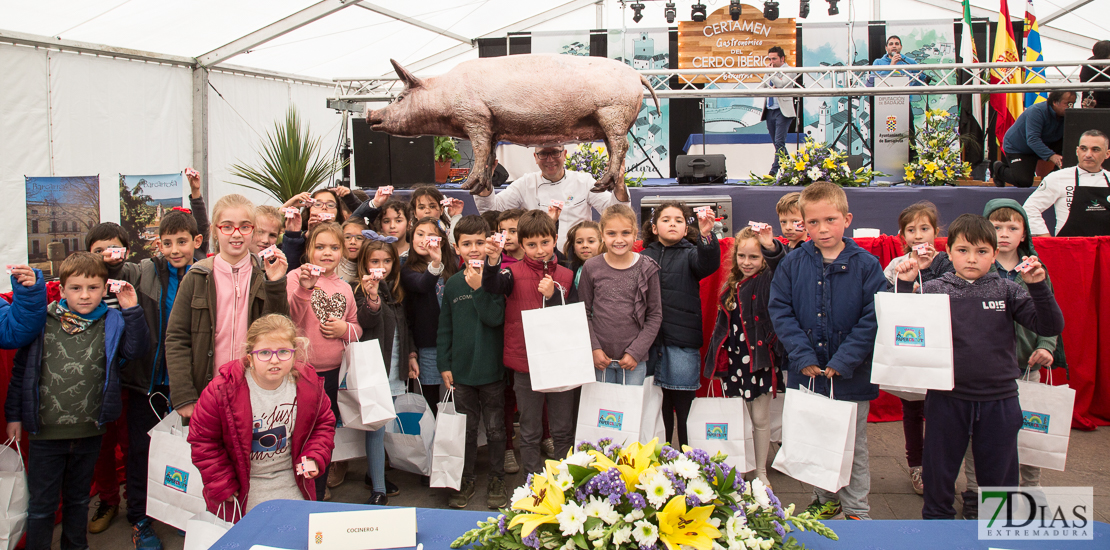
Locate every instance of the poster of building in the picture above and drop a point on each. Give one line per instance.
(561, 42)
(649, 140)
(842, 121)
(60, 210)
(928, 42)
(143, 200)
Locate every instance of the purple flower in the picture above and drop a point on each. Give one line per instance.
(637, 501)
(532, 540)
(668, 453)
(699, 456)
(501, 524)
(778, 528)
(679, 485)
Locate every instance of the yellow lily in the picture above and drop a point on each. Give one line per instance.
(633, 461)
(677, 526)
(930, 166)
(830, 163)
(800, 165)
(546, 503)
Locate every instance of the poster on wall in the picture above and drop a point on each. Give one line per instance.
(59, 210)
(561, 42)
(721, 43)
(649, 140)
(142, 201)
(929, 42)
(844, 122)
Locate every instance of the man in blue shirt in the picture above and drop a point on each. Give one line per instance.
(1038, 134)
(779, 112)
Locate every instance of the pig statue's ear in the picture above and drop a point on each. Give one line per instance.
(406, 77)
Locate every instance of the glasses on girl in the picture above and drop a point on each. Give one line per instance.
(266, 355)
(228, 229)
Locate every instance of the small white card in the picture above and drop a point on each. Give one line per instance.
(371, 529)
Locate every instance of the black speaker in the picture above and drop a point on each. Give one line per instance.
(694, 169)
(382, 159)
(371, 155)
(1077, 121)
(411, 161)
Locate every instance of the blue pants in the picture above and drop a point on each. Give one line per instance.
(614, 374)
(60, 467)
(991, 426)
(141, 418)
(777, 126)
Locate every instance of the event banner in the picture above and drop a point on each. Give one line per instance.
(927, 43)
(844, 122)
(59, 210)
(892, 130)
(649, 140)
(142, 201)
(721, 43)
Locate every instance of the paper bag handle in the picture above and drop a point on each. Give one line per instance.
(1028, 375)
(220, 510)
(920, 284)
(150, 401)
(18, 451)
(449, 396)
(562, 295)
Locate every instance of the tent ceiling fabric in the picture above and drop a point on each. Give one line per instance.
(358, 41)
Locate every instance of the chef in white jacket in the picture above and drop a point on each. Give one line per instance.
(1079, 195)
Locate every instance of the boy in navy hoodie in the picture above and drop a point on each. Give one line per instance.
(983, 405)
(823, 309)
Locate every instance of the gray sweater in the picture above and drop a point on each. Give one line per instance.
(623, 306)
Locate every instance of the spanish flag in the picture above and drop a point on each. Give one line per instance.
(1006, 106)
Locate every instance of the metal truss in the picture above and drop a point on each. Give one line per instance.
(824, 81)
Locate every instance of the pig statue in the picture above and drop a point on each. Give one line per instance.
(530, 100)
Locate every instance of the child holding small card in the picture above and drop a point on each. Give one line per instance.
(790, 220)
(273, 395)
(431, 263)
(428, 202)
(324, 205)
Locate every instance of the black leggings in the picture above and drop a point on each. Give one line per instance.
(331, 388)
(677, 402)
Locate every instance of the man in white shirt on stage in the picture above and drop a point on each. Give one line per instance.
(779, 111)
(1080, 194)
(537, 189)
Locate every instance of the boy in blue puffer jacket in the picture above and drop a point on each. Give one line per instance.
(823, 309)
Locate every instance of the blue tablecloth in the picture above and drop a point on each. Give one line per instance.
(284, 524)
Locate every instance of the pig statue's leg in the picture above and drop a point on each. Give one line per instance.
(614, 123)
(481, 174)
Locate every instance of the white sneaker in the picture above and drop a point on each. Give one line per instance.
(511, 465)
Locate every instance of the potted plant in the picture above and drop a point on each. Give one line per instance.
(445, 153)
(938, 155)
(291, 162)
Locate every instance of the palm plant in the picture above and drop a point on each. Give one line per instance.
(291, 163)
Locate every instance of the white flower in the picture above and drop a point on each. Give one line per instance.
(634, 515)
(715, 522)
(569, 545)
(622, 535)
(580, 459)
(735, 524)
(766, 544)
(701, 490)
(565, 481)
(657, 489)
(686, 468)
(645, 533)
(521, 493)
(596, 533)
(600, 508)
(814, 173)
(758, 491)
(571, 519)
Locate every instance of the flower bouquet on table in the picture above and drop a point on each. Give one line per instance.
(603, 496)
(938, 152)
(593, 160)
(816, 162)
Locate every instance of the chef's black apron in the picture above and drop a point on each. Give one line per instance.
(1089, 214)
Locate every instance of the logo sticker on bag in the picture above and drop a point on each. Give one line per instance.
(909, 336)
(610, 419)
(176, 479)
(716, 431)
(1034, 421)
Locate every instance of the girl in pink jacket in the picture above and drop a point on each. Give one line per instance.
(263, 429)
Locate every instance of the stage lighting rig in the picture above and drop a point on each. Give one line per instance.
(697, 12)
(670, 13)
(637, 9)
(734, 10)
(771, 10)
(803, 9)
(833, 10)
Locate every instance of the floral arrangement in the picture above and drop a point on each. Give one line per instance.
(641, 497)
(594, 160)
(816, 162)
(938, 157)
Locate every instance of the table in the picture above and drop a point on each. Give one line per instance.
(933, 534)
(284, 524)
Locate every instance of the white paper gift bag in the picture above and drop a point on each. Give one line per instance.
(1046, 412)
(557, 340)
(349, 444)
(449, 446)
(174, 490)
(609, 410)
(364, 399)
(13, 492)
(913, 345)
(651, 421)
(776, 416)
(409, 437)
(206, 529)
(818, 439)
(722, 424)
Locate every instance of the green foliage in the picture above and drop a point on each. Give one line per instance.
(816, 162)
(136, 215)
(444, 149)
(594, 160)
(290, 162)
(938, 156)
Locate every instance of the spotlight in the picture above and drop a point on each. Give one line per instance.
(771, 10)
(669, 12)
(734, 10)
(833, 10)
(697, 12)
(803, 9)
(637, 8)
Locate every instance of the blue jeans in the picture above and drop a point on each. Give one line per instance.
(777, 126)
(60, 467)
(375, 458)
(676, 368)
(614, 374)
(429, 374)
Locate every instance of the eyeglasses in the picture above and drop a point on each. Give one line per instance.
(244, 230)
(326, 205)
(549, 155)
(266, 355)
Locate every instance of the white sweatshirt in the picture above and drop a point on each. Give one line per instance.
(1057, 189)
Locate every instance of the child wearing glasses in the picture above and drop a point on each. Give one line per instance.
(324, 205)
(264, 428)
(219, 298)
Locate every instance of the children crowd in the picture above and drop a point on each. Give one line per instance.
(247, 342)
